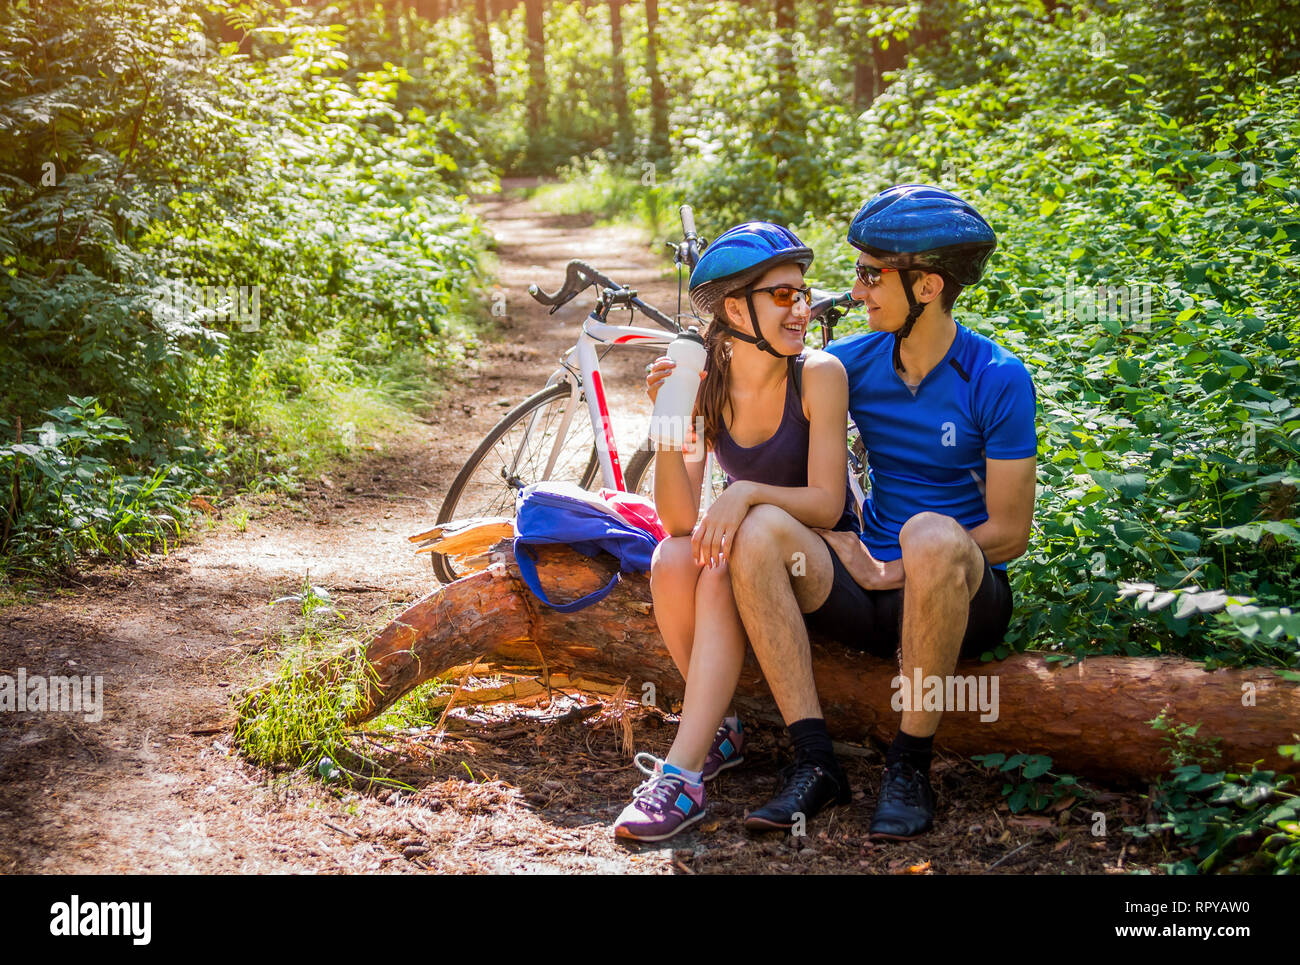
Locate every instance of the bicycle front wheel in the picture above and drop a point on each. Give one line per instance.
(515, 454)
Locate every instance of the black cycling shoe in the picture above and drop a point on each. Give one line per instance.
(906, 806)
(806, 788)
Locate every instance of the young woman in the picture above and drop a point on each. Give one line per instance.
(774, 415)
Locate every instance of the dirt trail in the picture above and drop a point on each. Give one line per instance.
(173, 636)
(154, 786)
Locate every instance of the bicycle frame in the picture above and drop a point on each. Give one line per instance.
(581, 367)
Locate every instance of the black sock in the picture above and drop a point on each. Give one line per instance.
(812, 742)
(916, 751)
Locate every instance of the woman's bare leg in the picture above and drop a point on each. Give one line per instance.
(673, 578)
(715, 661)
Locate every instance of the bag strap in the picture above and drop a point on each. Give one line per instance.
(526, 559)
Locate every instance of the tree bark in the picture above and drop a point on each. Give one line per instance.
(430, 10)
(1091, 717)
(658, 99)
(483, 44)
(536, 66)
(784, 127)
(824, 19)
(619, 79)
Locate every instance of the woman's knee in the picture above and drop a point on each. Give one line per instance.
(673, 565)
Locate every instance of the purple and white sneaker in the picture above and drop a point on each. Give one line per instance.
(664, 804)
(727, 750)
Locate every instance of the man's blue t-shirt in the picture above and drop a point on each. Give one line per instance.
(926, 450)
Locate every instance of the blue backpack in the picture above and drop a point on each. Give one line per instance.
(546, 515)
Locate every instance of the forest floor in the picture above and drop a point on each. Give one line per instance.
(156, 785)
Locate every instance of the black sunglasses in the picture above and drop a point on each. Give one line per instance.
(870, 276)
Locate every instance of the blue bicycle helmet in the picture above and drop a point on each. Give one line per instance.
(924, 228)
(738, 258)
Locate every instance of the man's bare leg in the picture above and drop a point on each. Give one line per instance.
(781, 569)
(944, 569)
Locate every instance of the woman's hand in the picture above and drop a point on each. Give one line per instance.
(657, 372)
(713, 535)
(867, 571)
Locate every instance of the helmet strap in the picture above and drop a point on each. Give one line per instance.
(914, 311)
(757, 338)
(761, 342)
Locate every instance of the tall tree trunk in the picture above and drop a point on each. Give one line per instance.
(536, 67)
(825, 19)
(783, 23)
(620, 75)
(783, 122)
(483, 43)
(658, 100)
(864, 82)
(430, 10)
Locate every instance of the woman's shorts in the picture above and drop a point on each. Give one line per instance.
(872, 620)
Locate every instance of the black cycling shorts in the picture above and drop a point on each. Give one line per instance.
(872, 620)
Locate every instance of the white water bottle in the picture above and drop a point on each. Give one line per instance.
(676, 399)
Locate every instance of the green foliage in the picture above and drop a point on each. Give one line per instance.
(62, 497)
(230, 245)
(590, 185)
(301, 715)
(1181, 743)
(1235, 823)
(1031, 783)
(1142, 275)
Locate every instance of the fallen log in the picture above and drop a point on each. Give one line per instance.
(1090, 717)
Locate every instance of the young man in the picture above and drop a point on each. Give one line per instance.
(947, 417)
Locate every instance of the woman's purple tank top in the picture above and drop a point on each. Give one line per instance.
(781, 460)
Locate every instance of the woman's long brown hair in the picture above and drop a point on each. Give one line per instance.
(712, 400)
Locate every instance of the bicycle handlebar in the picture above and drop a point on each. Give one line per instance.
(578, 277)
(824, 301)
(688, 221)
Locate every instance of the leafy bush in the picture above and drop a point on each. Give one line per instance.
(200, 235)
(1141, 276)
(1027, 781)
(63, 499)
(1239, 823)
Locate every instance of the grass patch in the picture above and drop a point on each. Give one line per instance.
(300, 718)
(612, 195)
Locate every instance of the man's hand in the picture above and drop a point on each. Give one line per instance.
(713, 535)
(867, 571)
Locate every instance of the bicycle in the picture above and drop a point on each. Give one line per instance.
(551, 434)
